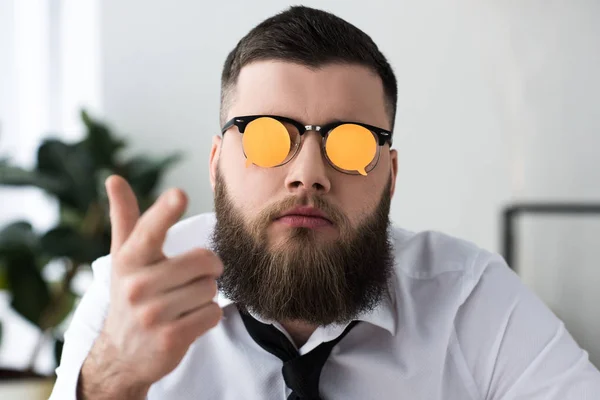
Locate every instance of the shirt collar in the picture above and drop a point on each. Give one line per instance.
(385, 315)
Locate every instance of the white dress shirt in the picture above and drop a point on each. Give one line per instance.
(456, 324)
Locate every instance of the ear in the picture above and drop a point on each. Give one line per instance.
(393, 170)
(215, 152)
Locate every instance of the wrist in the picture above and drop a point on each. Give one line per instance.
(103, 376)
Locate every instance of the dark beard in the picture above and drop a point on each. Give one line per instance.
(302, 279)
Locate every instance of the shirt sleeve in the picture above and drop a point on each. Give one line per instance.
(83, 330)
(515, 346)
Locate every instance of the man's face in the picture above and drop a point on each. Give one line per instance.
(290, 269)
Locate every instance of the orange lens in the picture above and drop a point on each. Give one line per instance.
(351, 147)
(266, 142)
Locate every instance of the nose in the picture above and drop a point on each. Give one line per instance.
(308, 170)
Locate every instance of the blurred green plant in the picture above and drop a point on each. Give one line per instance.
(74, 174)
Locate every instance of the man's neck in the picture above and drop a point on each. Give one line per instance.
(299, 331)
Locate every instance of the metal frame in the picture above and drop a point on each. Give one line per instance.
(512, 212)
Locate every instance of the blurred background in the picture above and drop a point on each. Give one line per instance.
(499, 105)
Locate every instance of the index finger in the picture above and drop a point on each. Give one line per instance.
(144, 245)
(124, 210)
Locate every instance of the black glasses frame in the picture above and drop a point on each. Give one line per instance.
(383, 135)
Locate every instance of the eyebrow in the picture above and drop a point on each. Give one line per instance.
(302, 122)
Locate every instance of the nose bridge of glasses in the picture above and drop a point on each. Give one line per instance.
(315, 128)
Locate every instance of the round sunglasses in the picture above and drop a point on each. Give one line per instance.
(271, 141)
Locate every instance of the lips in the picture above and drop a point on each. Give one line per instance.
(304, 217)
(307, 212)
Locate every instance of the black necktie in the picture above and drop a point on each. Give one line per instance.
(300, 373)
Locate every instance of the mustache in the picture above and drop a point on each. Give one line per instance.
(270, 212)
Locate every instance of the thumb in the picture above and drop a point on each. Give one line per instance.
(124, 210)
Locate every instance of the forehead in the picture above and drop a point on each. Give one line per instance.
(310, 95)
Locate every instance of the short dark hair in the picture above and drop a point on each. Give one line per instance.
(309, 37)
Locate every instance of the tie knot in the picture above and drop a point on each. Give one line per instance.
(300, 373)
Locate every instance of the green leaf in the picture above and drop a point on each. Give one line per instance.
(59, 311)
(72, 165)
(3, 278)
(144, 174)
(69, 216)
(30, 294)
(100, 143)
(18, 237)
(65, 241)
(15, 176)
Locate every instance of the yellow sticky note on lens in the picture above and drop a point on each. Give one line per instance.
(266, 142)
(351, 147)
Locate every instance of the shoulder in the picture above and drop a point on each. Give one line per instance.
(437, 260)
(430, 253)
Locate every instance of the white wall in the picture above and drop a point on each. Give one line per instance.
(48, 70)
(23, 92)
(498, 102)
(161, 75)
(551, 95)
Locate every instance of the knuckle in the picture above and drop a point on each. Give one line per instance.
(149, 315)
(205, 262)
(214, 314)
(218, 266)
(147, 240)
(206, 287)
(211, 262)
(168, 340)
(194, 258)
(202, 255)
(134, 289)
(119, 265)
(208, 319)
(214, 288)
